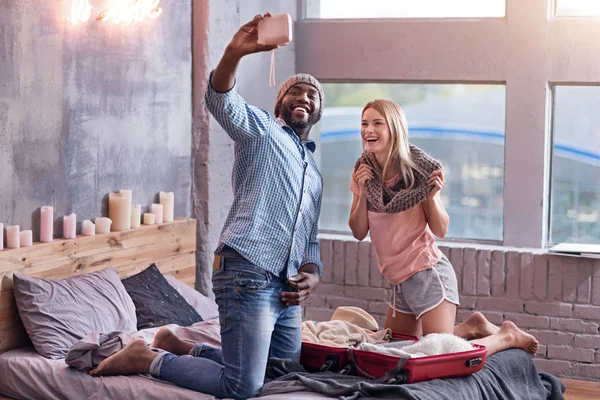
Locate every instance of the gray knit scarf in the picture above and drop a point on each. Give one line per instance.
(393, 200)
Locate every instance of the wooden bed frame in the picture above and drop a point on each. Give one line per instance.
(171, 246)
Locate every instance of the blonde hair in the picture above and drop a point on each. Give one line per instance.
(399, 153)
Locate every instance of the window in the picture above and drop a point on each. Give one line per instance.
(460, 125)
(570, 8)
(575, 170)
(333, 9)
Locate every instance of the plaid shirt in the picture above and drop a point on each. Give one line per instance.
(277, 187)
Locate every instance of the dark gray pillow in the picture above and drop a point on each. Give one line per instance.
(57, 313)
(157, 303)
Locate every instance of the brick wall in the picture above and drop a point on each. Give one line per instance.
(555, 298)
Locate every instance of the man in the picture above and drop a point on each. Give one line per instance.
(268, 259)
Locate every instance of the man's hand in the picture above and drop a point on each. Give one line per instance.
(245, 40)
(305, 282)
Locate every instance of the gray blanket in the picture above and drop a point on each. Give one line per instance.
(508, 375)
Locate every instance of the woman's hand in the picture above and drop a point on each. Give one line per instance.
(436, 181)
(363, 174)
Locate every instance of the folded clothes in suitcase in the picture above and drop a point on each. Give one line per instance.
(392, 369)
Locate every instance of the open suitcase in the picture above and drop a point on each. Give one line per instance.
(392, 369)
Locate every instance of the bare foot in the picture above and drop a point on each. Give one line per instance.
(135, 358)
(166, 340)
(477, 327)
(513, 337)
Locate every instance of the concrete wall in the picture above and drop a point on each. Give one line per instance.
(218, 20)
(555, 298)
(91, 108)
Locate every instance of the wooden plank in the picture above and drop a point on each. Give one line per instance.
(581, 390)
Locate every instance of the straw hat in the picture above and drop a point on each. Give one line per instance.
(356, 316)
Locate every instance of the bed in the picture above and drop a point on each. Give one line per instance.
(25, 374)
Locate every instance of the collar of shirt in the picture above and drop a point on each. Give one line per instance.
(310, 144)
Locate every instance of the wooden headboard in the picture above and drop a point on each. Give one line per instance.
(172, 246)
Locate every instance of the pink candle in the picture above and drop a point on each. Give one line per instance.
(26, 238)
(167, 200)
(157, 210)
(128, 195)
(69, 226)
(136, 215)
(88, 228)
(149, 219)
(103, 225)
(119, 211)
(1, 236)
(47, 224)
(12, 237)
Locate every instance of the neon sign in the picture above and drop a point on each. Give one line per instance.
(80, 11)
(127, 11)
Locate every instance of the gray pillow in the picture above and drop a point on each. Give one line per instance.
(57, 313)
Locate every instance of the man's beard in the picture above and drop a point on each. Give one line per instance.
(287, 116)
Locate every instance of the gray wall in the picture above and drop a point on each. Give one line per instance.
(217, 21)
(92, 108)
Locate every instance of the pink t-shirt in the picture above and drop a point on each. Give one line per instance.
(403, 242)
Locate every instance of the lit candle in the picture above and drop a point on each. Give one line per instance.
(26, 238)
(127, 194)
(148, 219)
(103, 225)
(69, 226)
(47, 224)
(12, 237)
(88, 228)
(157, 210)
(136, 215)
(118, 211)
(1, 236)
(167, 200)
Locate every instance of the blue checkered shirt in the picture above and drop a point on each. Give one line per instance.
(277, 187)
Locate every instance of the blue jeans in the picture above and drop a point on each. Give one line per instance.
(255, 325)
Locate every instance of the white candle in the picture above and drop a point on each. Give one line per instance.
(1, 236)
(88, 228)
(157, 210)
(118, 211)
(47, 224)
(103, 225)
(167, 199)
(127, 194)
(148, 219)
(136, 215)
(70, 226)
(26, 238)
(12, 237)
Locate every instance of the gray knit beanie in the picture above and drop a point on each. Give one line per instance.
(299, 78)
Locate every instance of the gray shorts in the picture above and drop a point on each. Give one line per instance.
(426, 289)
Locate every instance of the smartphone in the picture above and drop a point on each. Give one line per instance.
(275, 30)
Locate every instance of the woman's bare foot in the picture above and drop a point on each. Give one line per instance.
(513, 337)
(476, 327)
(135, 358)
(168, 341)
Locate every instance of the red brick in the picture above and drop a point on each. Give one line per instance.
(587, 312)
(364, 255)
(513, 267)
(597, 357)
(542, 351)
(586, 371)
(335, 302)
(339, 261)
(585, 272)
(540, 282)
(375, 274)
(499, 304)
(328, 289)
(555, 276)
(327, 258)
(495, 317)
(462, 315)
(569, 267)
(573, 325)
(553, 366)
(596, 284)
(527, 276)
(367, 293)
(549, 309)
(351, 265)
(469, 272)
(468, 302)
(528, 321)
(378, 307)
(570, 353)
(553, 337)
(315, 300)
(484, 285)
(380, 319)
(587, 341)
(456, 259)
(498, 273)
(318, 314)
